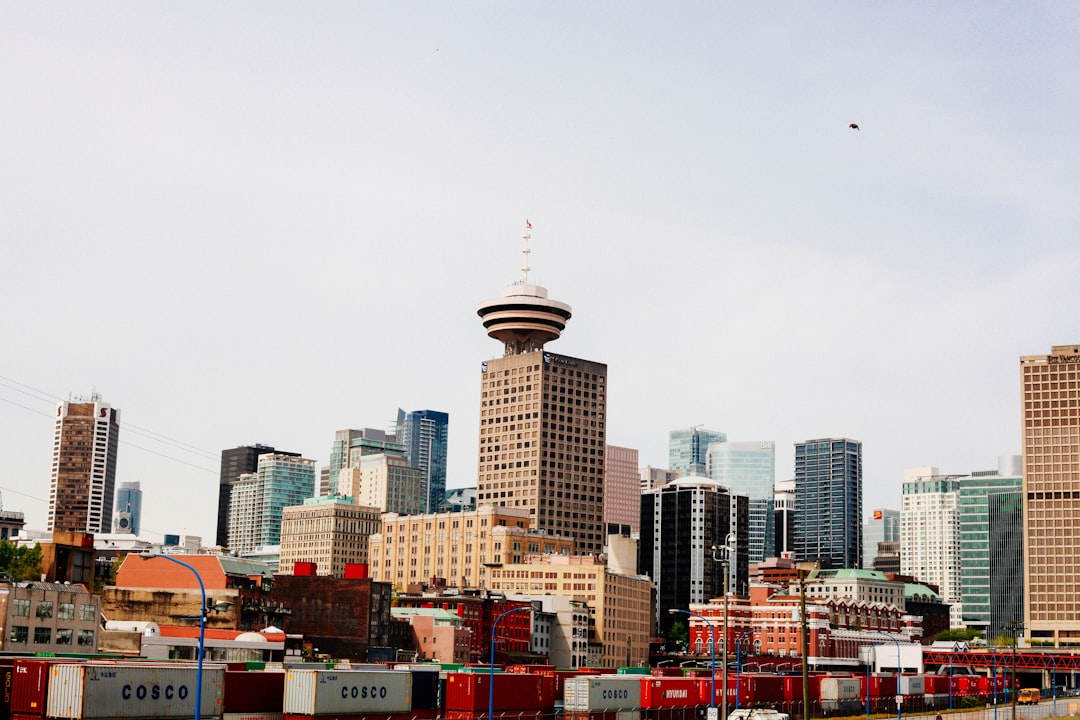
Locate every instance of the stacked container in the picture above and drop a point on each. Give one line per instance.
(105, 691)
(603, 697)
(347, 694)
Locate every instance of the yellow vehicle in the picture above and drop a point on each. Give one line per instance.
(1029, 696)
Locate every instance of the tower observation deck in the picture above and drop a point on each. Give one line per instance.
(524, 318)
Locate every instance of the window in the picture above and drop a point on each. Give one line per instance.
(63, 636)
(87, 613)
(42, 636)
(20, 634)
(45, 609)
(86, 637)
(66, 611)
(20, 607)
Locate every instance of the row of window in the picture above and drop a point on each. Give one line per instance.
(20, 635)
(20, 607)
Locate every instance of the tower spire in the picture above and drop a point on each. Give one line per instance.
(527, 237)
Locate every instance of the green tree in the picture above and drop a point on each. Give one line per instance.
(19, 561)
(679, 634)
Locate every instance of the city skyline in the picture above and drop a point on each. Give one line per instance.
(735, 254)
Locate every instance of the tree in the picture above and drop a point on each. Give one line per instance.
(679, 633)
(19, 561)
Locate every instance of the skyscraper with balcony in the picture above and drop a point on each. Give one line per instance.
(749, 468)
(1050, 407)
(828, 502)
(234, 463)
(424, 434)
(930, 533)
(257, 500)
(84, 466)
(543, 419)
(687, 449)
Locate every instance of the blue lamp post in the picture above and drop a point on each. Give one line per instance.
(950, 679)
(202, 627)
(491, 668)
(712, 631)
(898, 664)
(738, 664)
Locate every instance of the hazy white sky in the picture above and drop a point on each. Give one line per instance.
(263, 222)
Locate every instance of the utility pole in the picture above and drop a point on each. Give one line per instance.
(804, 642)
(1014, 625)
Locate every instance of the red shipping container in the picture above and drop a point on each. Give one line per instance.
(30, 684)
(7, 670)
(936, 684)
(759, 689)
(670, 692)
(469, 692)
(667, 671)
(791, 688)
(411, 715)
(253, 691)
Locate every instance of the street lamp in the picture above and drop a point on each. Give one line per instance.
(738, 663)
(712, 631)
(725, 563)
(491, 668)
(899, 692)
(202, 625)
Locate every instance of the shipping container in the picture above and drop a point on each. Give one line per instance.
(30, 684)
(912, 685)
(603, 715)
(469, 692)
(602, 693)
(252, 716)
(343, 692)
(426, 687)
(759, 689)
(7, 670)
(835, 688)
(253, 692)
(670, 692)
(411, 715)
(97, 690)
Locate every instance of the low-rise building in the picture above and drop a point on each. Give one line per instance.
(437, 634)
(46, 617)
(330, 531)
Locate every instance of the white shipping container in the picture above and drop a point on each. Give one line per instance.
(602, 692)
(324, 692)
(252, 716)
(912, 685)
(840, 688)
(96, 691)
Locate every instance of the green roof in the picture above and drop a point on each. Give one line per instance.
(852, 574)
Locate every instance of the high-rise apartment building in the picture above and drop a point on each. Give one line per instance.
(828, 502)
(386, 481)
(234, 463)
(881, 526)
(991, 526)
(84, 466)
(622, 487)
(749, 468)
(685, 527)
(424, 434)
(1050, 406)
(687, 450)
(543, 420)
(930, 533)
(330, 531)
(127, 518)
(257, 500)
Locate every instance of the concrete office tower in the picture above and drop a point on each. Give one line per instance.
(351, 445)
(1050, 404)
(828, 502)
(680, 524)
(749, 468)
(542, 420)
(234, 463)
(84, 466)
(784, 522)
(258, 499)
(881, 526)
(991, 522)
(330, 531)
(128, 514)
(622, 487)
(653, 478)
(424, 434)
(687, 450)
(385, 481)
(930, 534)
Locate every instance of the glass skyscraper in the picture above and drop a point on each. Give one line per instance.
(828, 502)
(749, 468)
(257, 500)
(129, 503)
(882, 526)
(424, 435)
(687, 449)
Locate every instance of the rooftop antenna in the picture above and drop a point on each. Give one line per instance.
(527, 236)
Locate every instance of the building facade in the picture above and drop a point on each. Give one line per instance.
(46, 617)
(1050, 406)
(784, 519)
(235, 462)
(881, 526)
(828, 502)
(331, 531)
(84, 466)
(688, 449)
(749, 468)
(385, 481)
(425, 433)
(653, 478)
(257, 500)
(622, 487)
(127, 518)
(930, 533)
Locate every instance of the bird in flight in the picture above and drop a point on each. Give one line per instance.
(854, 126)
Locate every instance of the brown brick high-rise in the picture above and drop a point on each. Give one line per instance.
(84, 467)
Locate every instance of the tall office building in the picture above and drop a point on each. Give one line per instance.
(930, 533)
(653, 478)
(84, 466)
(622, 487)
(385, 481)
(681, 524)
(991, 548)
(127, 517)
(687, 449)
(784, 519)
(749, 468)
(352, 444)
(881, 526)
(1050, 387)
(542, 420)
(828, 502)
(424, 434)
(330, 531)
(234, 463)
(257, 500)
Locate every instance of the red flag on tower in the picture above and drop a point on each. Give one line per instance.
(528, 225)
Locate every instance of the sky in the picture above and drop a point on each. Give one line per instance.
(264, 222)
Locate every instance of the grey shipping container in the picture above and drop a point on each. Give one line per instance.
(602, 692)
(113, 690)
(325, 692)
